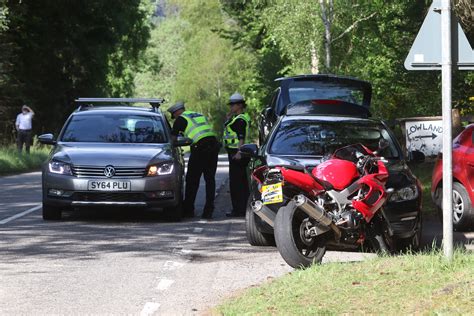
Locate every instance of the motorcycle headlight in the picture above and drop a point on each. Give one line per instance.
(59, 167)
(405, 194)
(162, 169)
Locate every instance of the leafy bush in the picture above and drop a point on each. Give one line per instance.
(13, 162)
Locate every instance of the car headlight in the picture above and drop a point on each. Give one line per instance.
(59, 167)
(163, 169)
(405, 194)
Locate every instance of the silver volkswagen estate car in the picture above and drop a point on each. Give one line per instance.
(114, 155)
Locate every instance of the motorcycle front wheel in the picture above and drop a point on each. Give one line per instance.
(292, 238)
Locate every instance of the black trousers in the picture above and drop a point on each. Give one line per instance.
(23, 137)
(238, 182)
(201, 161)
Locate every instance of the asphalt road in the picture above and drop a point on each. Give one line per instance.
(128, 262)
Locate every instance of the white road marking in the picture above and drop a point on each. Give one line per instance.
(164, 284)
(186, 251)
(192, 239)
(149, 308)
(198, 230)
(9, 219)
(181, 251)
(202, 221)
(172, 265)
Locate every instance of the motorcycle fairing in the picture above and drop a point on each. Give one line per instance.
(340, 173)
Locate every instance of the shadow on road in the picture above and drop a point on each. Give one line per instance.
(91, 234)
(433, 236)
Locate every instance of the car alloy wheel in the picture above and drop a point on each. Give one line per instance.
(458, 206)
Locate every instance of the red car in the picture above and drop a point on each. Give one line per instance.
(463, 180)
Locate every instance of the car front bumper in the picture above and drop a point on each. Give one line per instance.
(404, 217)
(69, 191)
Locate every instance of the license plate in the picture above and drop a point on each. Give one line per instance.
(108, 185)
(272, 193)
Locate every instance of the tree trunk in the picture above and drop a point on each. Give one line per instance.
(314, 59)
(327, 17)
(457, 127)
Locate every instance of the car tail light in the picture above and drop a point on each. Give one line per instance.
(324, 101)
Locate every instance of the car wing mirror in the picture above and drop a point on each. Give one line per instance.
(416, 156)
(266, 112)
(182, 141)
(47, 139)
(249, 150)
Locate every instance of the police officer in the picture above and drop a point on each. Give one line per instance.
(236, 130)
(203, 158)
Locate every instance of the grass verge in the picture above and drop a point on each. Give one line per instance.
(423, 172)
(11, 162)
(409, 284)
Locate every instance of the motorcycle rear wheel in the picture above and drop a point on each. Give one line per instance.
(295, 248)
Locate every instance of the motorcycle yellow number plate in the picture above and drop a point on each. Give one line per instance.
(272, 193)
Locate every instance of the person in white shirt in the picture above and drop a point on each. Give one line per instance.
(23, 126)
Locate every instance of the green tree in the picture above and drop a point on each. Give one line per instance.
(365, 39)
(188, 59)
(464, 10)
(159, 65)
(211, 69)
(73, 49)
(3, 15)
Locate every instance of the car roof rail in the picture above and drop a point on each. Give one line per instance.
(88, 102)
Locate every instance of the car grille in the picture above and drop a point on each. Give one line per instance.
(98, 172)
(108, 197)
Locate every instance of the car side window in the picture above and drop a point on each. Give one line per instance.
(273, 101)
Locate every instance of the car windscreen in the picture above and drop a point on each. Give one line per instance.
(114, 128)
(299, 90)
(315, 138)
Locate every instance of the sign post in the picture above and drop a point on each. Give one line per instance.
(446, 77)
(433, 52)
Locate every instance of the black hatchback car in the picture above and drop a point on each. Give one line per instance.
(318, 114)
(292, 90)
(114, 155)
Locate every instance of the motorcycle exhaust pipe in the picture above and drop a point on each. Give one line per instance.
(316, 212)
(265, 213)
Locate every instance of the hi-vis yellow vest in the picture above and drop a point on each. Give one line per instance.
(198, 127)
(231, 139)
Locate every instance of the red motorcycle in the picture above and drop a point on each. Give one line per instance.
(337, 204)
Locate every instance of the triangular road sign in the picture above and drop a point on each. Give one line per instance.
(425, 53)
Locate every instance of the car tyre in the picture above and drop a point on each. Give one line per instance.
(412, 243)
(254, 236)
(51, 213)
(463, 212)
(175, 213)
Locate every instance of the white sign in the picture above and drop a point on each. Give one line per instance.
(425, 53)
(424, 136)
